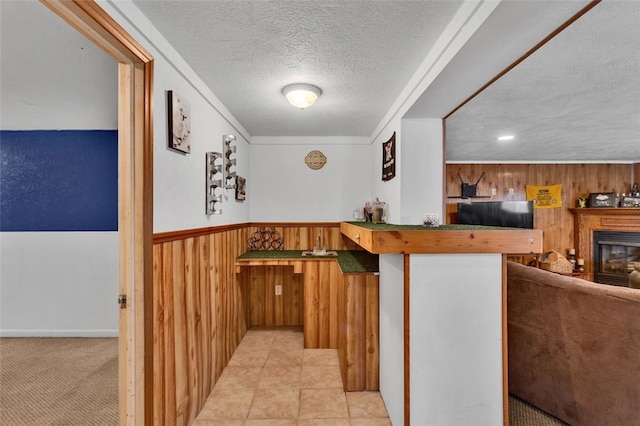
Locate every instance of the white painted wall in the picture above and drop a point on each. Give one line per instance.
(59, 284)
(284, 189)
(392, 335)
(456, 339)
(422, 169)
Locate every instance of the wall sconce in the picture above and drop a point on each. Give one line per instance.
(301, 95)
(229, 161)
(214, 183)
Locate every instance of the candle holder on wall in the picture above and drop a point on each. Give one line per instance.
(214, 183)
(229, 161)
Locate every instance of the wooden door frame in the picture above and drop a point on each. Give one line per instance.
(135, 201)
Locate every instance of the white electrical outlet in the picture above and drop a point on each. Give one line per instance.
(493, 191)
(511, 191)
(278, 289)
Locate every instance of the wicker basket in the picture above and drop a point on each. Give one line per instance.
(555, 262)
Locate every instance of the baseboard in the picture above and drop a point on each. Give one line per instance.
(58, 333)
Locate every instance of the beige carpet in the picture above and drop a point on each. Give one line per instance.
(58, 381)
(522, 413)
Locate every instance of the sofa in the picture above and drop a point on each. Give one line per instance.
(574, 347)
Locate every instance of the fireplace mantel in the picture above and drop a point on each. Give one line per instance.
(587, 220)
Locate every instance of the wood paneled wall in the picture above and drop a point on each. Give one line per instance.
(200, 316)
(201, 307)
(577, 180)
(268, 309)
(636, 173)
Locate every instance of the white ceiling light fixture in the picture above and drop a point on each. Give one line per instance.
(301, 95)
(506, 138)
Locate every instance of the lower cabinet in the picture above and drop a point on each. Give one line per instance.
(358, 331)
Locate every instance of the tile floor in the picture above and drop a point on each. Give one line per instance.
(272, 380)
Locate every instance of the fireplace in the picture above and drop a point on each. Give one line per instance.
(613, 255)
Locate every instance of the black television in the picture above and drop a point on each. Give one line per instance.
(513, 214)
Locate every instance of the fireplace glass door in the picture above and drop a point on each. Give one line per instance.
(614, 254)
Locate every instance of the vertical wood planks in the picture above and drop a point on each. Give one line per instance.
(578, 180)
(196, 293)
(358, 331)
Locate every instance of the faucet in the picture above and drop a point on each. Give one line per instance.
(319, 243)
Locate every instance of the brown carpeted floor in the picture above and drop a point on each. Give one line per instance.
(74, 382)
(59, 381)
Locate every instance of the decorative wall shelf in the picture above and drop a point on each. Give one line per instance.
(229, 161)
(214, 183)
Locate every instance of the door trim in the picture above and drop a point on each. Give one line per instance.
(135, 200)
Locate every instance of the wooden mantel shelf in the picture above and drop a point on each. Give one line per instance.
(398, 239)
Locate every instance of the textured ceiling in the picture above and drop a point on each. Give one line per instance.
(360, 53)
(576, 99)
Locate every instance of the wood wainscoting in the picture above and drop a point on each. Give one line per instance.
(201, 308)
(578, 180)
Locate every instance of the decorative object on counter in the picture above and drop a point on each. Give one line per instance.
(580, 265)
(389, 158)
(634, 191)
(582, 203)
(379, 211)
(572, 257)
(241, 188)
(214, 183)
(555, 262)
(545, 197)
(229, 146)
(266, 239)
(431, 220)
(602, 199)
(179, 122)
(634, 276)
(319, 249)
(315, 160)
(358, 214)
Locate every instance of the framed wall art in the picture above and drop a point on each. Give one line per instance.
(389, 158)
(179, 122)
(602, 199)
(241, 188)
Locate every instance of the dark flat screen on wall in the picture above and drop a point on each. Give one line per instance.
(513, 214)
(63, 180)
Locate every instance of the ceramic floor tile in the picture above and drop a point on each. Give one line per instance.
(248, 358)
(366, 405)
(270, 422)
(280, 377)
(324, 376)
(323, 422)
(320, 357)
(218, 423)
(227, 404)
(239, 378)
(284, 357)
(371, 422)
(275, 404)
(323, 404)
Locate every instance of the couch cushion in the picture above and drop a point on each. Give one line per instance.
(574, 346)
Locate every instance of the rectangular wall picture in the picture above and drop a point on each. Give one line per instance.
(241, 188)
(179, 122)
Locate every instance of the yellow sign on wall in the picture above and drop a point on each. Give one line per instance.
(545, 197)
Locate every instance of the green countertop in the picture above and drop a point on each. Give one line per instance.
(350, 261)
(393, 227)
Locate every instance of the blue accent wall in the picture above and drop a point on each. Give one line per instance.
(59, 180)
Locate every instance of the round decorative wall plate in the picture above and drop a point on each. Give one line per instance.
(315, 160)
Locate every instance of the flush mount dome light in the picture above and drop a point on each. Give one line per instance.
(506, 138)
(301, 95)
